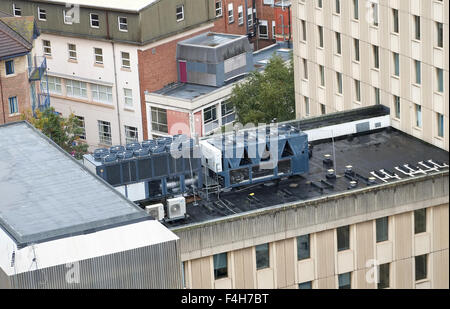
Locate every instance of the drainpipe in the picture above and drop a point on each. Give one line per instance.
(3, 104)
(289, 16)
(115, 79)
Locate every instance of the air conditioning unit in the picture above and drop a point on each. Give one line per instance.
(156, 211)
(176, 208)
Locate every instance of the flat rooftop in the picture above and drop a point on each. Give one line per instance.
(46, 194)
(211, 39)
(367, 152)
(188, 91)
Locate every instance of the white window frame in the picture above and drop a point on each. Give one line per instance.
(128, 138)
(156, 122)
(240, 15)
(126, 59)
(16, 9)
(83, 126)
(54, 84)
(219, 9)
(98, 55)
(104, 137)
(48, 48)
(250, 17)
(15, 105)
(65, 18)
(178, 13)
(39, 14)
(99, 90)
(128, 98)
(72, 51)
(91, 20)
(263, 23)
(121, 23)
(79, 85)
(274, 25)
(230, 13)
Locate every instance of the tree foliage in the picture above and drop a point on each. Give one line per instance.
(268, 95)
(64, 132)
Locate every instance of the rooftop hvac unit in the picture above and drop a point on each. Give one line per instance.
(156, 211)
(176, 208)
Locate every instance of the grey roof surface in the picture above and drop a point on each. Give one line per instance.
(211, 39)
(46, 194)
(191, 91)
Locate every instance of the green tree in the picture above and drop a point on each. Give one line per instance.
(64, 132)
(268, 95)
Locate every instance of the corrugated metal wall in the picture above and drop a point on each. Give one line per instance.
(152, 267)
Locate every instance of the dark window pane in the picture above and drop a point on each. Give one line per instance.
(303, 247)
(305, 285)
(420, 221)
(343, 238)
(262, 256)
(345, 281)
(382, 229)
(383, 276)
(421, 267)
(220, 266)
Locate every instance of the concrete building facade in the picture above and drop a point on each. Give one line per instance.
(357, 53)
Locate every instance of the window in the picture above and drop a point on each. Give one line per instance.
(337, 7)
(322, 75)
(440, 124)
(104, 132)
(180, 12)
(357, 90)
(319, 4)
(72, 51)
(420, 221)
(220, 265)
(126, 63)
(42, 14)
(210, 118)
(131, 134)
(305, 68)
(383, 276)
(76, 89)
(396, 64)
(54, 84)
(355, 9)
(305, 285)
(240, 15)
(322, 109)
(123, 24)
(230, 13)
(356, 45)
(82, 127)
(228, 113)
(397, 106)
(219, 8)
(338, 43)
(263, 29)
(306, 106)
(375, 13)
(303, 30)
(418, 77)
(250, 17)
(343, 238)
(303, 247)
(339, 82)
(440, 79)
(13, 105)
(128, 95)
(377, 95)
(382, 228)
(418, 109)
(67, 18)
(395, 20)
(98, 55)
(159, 120)
(47, 47)
(421, 267)
(95, 22)
(101, 93)
(416, 27)
(9, 67)
(376, 57)
(274, 28)
(320, 29)
(262, 256)
(17, 11)
(345, 281)
(440, 34)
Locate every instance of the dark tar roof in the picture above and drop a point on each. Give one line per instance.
(46, 194)
(192, 91)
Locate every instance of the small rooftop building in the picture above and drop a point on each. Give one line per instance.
(63, 227)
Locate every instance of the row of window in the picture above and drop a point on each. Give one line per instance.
(79, 89)
(104, 132)
(94, 19)
(343, 243)
(97, 54)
